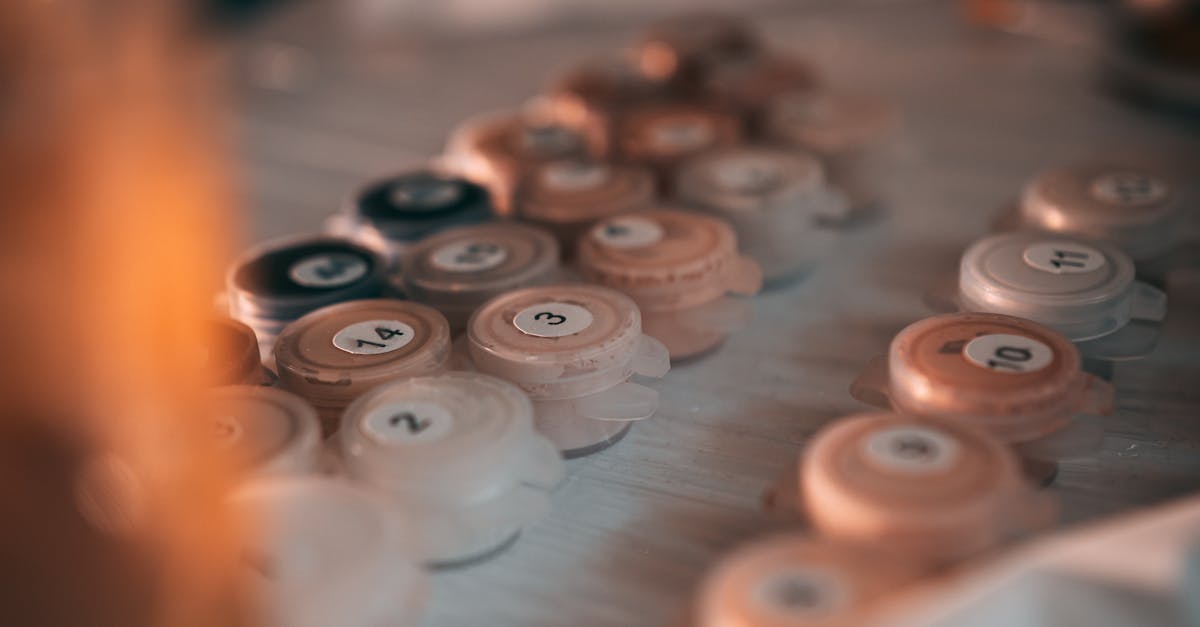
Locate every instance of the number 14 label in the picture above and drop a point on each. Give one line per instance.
(373, 337)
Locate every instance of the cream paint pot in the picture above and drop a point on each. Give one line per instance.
(458, 454)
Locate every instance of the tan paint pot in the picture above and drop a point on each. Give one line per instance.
(265, 430)
(793, 580)
(931, 490)
(662, 136)
(334, 354)
(678, 267)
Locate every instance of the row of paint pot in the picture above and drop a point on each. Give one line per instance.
(985, 405)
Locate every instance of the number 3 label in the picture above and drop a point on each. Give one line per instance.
(1013, 354)
(553, 320)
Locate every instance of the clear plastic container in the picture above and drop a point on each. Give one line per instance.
(458, 270)
(679, 268)
(278, 281)
(776, 199)
(322, 552)
(1083, 289)
(334, 354)
(856, 135)
(265, 430)
(458, 454)
(792, 580)
(568, 197)
(230, 355)
(662, 135)
(1134, 207)
(573, 350)
(393, 213)
(928, 490)
(498, 148)
(1016, 379)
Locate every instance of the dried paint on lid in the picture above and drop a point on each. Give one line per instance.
(339, 351)
(661, 255)
(790, 580)
(985, 365)
(558, 331)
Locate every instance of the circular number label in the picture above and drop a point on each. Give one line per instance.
(802, 592)
(573, 176)
(914, 450)
(226, 430)
(548, 139)
(746, 174)
(373, 337)
(1129, 189)
(407, 422)
(680, 135)
(424, 195)
(1014, 354)
(628, 232)
(553, 320)
(468, 256)
(1063, 257)
(328, 270)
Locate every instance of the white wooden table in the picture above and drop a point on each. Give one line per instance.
(633, 528)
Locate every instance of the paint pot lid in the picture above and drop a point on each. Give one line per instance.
(740, 179)
(339, 351)
(830, 122)
(467, 265)
(263, 429)
(581, 190)
(230, 354)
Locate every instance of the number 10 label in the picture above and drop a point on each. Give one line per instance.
(1013, 354)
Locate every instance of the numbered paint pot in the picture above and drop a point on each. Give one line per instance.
(498, 148)
(568, 197)
(323, 552)
(1083, 289)
(458, 454)
(661, 136)
(794, 580)
(685, 49)
(230, 354)
(264, 430)
(457, 271)
(592, 96)
(334, 354)
(1135, 208)
(855, 135)
(281, 280)
(1018, 380)
(931, 491)
(393, 213)
(777, 200)
(573, 350)
(750, 85)
(680, 269)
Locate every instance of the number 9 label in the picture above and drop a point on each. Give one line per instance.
(1012, 354)
(553, 319)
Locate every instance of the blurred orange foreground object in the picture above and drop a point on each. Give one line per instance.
(109, 251)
